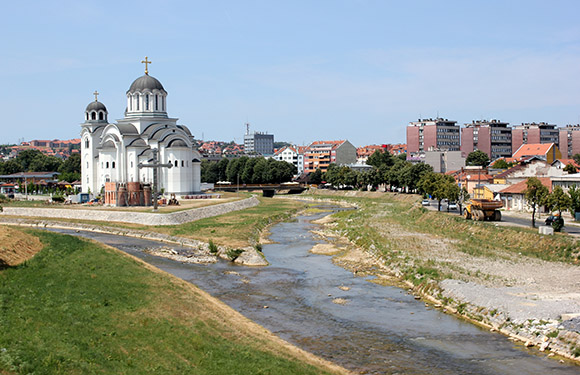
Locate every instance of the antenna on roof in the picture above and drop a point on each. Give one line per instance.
(247, 128)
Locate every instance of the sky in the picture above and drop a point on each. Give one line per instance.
(304, 71)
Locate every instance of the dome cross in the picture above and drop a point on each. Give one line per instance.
(146, 62)
(96, 94)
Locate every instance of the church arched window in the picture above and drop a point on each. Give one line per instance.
(86, 143)
(137, 102)
(101, 117)
(182, 163)
(176, 163)
(156, 102)
(93, 115)
(130, 103)
(107, 164)
(113, 165)
(87, 165)
(147, 102)
(87, 115)
(163, 103)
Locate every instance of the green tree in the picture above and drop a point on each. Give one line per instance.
(477, 158)
(71, 165)
(576, 158)
(570, 168)
(574, 194)
(260, 170)
(501, 164)
(558, 200)
(402, 157)
(315, 177)
(380, 157)
(222, 167)
(535, 194)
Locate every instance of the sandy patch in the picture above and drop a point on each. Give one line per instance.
(325, 249)
(324, 220)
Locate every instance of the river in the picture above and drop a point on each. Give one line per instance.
(376, 330)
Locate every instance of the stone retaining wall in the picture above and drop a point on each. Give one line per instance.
(145, 218)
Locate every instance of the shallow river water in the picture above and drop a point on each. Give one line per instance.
(379, 330)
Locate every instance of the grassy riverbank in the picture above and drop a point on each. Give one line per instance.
(509, 279)
(78, 307)
(238, 228)
(402, 233)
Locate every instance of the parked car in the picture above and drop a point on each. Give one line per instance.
(452, 206)
(425, 202)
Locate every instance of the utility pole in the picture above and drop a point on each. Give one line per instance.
(155, 165)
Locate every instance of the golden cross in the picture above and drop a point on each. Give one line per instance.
(96, 93)
(146, 62)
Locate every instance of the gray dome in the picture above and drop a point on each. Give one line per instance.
(177, 143)
(146, 82)
(96, 106)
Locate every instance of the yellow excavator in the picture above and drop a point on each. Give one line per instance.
(483, 209)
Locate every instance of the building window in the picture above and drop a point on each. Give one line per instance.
(86, 143)
(182, 163)
(101, 117)
(87, 116)
(93, 116)
(137, 103)
(107, 164)
(147, 102)
(176, 163)
(130, 103)
(163, 103)
(87, 165)
(113, 165)
(156, 102)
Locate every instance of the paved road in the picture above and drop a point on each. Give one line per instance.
(515, 219)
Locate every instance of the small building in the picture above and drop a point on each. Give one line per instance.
(546, 151)
(444, 161)
(513, 197)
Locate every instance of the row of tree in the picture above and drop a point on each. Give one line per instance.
(35, 161)
(246, 170)
(538, 195)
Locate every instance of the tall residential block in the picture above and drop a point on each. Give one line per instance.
(493, 137)
(569, 143)
(432, 135)
(532, 133)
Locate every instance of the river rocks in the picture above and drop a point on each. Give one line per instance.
(251, 257)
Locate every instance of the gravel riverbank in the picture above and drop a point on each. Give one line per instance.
(534, 301)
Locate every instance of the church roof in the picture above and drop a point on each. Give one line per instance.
(95, 106)
(146, 83)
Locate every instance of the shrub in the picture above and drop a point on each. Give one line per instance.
(233, 254)
(258, 247)
(212, 247)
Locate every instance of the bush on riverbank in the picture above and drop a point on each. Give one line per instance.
(77, 307)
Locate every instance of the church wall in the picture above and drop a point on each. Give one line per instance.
(180, 176)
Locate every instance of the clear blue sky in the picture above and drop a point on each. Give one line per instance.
(301, 70)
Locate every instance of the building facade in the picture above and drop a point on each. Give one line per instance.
(432, 134)
(320, 154)
(258, 143)
(569, 141)
(492, 137)
(541, 132)
(117, 152)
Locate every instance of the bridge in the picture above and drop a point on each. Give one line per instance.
(268, 190)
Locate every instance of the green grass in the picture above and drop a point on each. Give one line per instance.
(80, 308)
(239, 228)
(474, 238)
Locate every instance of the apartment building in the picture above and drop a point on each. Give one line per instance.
(432, 134)
(493, 137)
(533, 133)
(319, 155)
(569, 141)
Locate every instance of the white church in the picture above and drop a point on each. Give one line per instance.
(119, 152)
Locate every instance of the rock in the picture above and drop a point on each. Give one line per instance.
(266, 306)
(544, 346)
(529, 344)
